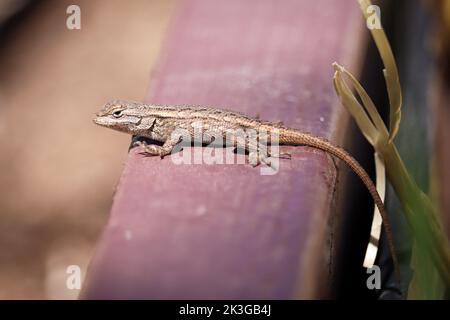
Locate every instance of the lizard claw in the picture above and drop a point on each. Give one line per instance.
(283, 155)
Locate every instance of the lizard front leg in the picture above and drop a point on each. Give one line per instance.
(156, 150)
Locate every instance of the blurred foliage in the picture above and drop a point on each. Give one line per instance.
(431, 252)
(441, 10)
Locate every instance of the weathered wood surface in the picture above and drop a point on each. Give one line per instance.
(226, 231)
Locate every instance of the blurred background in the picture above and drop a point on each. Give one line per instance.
(59, 171)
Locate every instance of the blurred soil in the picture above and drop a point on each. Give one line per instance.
(59, 170)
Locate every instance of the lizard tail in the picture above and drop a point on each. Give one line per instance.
(291, 136)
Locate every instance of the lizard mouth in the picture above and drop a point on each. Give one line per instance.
(98, 120)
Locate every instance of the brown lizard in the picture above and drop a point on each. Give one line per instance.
(158, 122)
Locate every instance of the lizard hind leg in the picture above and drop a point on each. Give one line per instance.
(258, 154)
(282, 155)
(255, 158)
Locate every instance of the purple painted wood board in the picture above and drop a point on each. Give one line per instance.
(226, 231)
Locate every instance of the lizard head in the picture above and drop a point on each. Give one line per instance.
(122, 116)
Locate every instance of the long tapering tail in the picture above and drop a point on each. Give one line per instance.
(294, 137)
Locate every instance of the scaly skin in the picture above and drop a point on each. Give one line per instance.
(157, 122)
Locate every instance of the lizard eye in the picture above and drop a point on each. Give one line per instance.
(117, 113)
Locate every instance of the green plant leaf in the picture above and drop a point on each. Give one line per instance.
(390, 70)
(376, 130)
(431, 252)
(350, 102)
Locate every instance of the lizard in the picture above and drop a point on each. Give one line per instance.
(158, 122)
